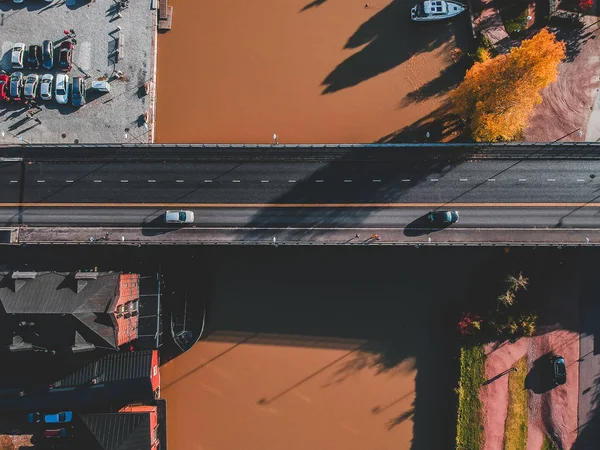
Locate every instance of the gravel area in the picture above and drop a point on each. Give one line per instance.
(111, 118)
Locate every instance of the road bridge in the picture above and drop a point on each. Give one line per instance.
(542, 194)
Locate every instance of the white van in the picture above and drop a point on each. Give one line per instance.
(101, 86)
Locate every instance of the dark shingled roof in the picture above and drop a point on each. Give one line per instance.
(59, 310)
(118, 431)
(120, 366)
(56, 293)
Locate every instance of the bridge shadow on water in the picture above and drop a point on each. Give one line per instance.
(386, 307)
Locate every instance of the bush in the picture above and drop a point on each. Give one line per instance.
(469, 324)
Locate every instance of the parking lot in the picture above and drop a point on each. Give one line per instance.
(112, 44)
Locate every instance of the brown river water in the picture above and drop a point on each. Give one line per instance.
(324, 71)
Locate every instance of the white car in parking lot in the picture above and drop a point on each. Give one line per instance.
(17, 55)
(61, 91)
(179, 217)
(46, 86)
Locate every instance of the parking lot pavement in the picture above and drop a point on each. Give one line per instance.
(113, 117)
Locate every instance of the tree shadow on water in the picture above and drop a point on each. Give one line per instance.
(313, 4)
(389, 39)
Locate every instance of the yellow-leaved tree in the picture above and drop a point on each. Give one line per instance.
(498, 95)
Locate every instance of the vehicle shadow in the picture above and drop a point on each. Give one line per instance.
(539, 378)
(422, 226)
(157, 227)
(388, 39)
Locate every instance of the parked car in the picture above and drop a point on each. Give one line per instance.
(442, 217)
(31, 85)
(17, 56)
(559, 370)
(3, 86)
(16, 85)
(46, 86)
(18, 1)
(34, 58)
(55, 434)
(34, 417)
(65, 56)
(61, 90)
(179, 217)
(78, 92)
(61, 417)
(48, 54)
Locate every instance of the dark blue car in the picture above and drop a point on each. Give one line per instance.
(560, 370)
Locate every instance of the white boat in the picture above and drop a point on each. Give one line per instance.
(431, 10)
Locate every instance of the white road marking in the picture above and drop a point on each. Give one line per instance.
(264, 181)
(151, 181)
(580, 180)
(68, 181)
(376, 181)
(41, 181)
(406, 181)
(551, 179)
(347, 181)
(491, 179)
(208, 181)
(178, 181)
(522, 179)
(319, 181)
(124, 181)
(291, 181)
(464, 179)
(97, 181)
(236, 181)
(13, 181)
(433, 180)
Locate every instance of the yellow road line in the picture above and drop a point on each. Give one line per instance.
(299, 205)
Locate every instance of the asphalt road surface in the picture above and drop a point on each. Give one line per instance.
(339, 192)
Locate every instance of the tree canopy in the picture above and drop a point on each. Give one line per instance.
(499, 94)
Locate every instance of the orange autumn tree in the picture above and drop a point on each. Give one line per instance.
(498, 95)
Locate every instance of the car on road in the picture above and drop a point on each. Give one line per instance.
(442, 217)
(16, 85)
(61, 417)
(31, 85)
(34, 417)
(34, 57)
(61, 90)
(3, 86)
(55, 434)
(78, 92)
(17, 55)
(65, 56)
(179, 217)
(46, 86)
(48, 54)
(559, 370)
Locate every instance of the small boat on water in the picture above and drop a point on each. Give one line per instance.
(432, 10)
(187, 323)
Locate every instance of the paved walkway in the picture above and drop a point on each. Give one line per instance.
(304, 236)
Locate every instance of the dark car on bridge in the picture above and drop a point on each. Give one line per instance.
(559, 369)
(442, 217)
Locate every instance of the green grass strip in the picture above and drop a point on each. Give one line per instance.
(469, 432)
(515, 428)
(547, 444)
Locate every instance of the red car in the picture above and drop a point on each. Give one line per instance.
(65, 56)
(4, 87)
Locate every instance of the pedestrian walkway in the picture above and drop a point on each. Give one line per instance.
(489, 24)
